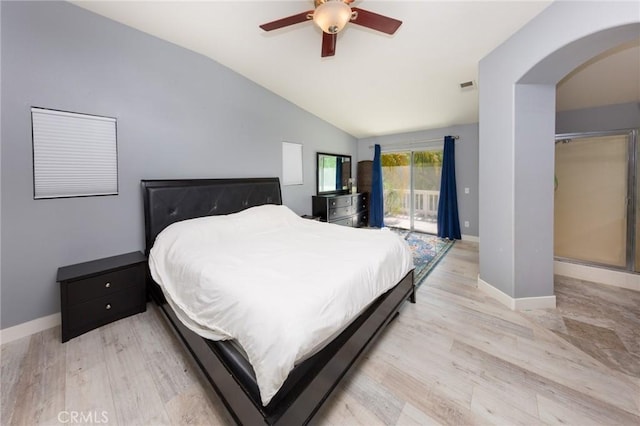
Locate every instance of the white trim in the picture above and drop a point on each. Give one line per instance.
(28, 328)
(501, 297)
(471, 238)
(605, 276)
(520, 304)
(528, 303)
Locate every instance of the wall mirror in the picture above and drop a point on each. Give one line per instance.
(334, 172)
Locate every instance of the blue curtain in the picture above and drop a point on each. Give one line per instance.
(376, 215)
(338, 174)
(448, 221)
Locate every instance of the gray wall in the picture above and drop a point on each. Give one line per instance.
(609, 117)
(0, 166)
(517, 112)
(179, 115)
(466, 164)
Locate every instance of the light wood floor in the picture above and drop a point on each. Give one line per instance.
(456, 357)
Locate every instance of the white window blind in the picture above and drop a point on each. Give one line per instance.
(74, 154)
(292, 164)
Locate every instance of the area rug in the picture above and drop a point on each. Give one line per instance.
(427, 251)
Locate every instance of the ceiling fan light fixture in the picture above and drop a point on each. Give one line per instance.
(332, 15)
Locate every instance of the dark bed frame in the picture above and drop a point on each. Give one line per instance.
(232, 377)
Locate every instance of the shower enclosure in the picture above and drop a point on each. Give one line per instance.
(596, 199)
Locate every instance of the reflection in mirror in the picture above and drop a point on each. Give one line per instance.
(334, 172)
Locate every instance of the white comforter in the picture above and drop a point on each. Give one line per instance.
(278, 284)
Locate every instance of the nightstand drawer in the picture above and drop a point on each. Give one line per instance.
(103, 285)
(344, 222)
(340, 212)
(364, 201)
(339, 202)
(363, 219)
(103, 310)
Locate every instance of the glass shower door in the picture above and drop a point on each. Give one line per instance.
(591, 195)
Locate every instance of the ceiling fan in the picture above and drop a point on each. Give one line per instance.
(331, 16)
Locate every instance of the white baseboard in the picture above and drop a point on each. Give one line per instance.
(471, 238)
(28, 328)
(598, 275)
(540, 302)
(501, 297)
(519, 304)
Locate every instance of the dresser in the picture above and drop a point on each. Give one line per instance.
(96, 293)
(365, 172)
(348, 210)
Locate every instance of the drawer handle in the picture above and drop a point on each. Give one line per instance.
(108, 306)
(107, 285)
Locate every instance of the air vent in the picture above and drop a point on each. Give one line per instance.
(468, 84)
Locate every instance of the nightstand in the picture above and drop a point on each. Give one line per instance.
(96, 293)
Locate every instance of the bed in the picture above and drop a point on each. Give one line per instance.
(225, 366)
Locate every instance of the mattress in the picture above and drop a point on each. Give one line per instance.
(279, 285)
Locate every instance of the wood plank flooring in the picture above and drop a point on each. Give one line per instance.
(457, 357)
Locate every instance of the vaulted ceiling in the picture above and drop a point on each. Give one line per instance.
(610, 78)
(375, 84)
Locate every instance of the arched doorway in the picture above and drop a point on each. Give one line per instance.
(517, 127)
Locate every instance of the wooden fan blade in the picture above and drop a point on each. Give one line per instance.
(376, 22)
(329, 44)
(289, 20)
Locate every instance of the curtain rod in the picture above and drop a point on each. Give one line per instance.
(456, 137)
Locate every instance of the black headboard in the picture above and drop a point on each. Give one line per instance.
(169, 201)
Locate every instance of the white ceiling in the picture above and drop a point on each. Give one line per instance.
(375, 84)
(608, 79)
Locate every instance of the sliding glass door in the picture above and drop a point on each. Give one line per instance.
(595, 199)
(411, 181)
(396, 182)
(427, 168)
